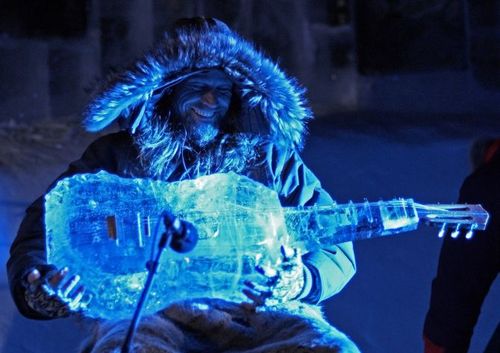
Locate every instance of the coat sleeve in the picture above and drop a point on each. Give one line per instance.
(466, 269)
(330, 268)
(28, 249)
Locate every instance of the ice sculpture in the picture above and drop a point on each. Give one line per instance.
(103, 226)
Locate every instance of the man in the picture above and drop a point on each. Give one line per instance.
(468, 267)
(204, 101)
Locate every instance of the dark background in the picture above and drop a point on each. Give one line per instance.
(400, 90)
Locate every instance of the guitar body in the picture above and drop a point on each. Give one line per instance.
(103, 227)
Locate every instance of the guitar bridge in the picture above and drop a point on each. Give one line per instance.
(111, 227)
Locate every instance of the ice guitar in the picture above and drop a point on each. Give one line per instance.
(103, 227)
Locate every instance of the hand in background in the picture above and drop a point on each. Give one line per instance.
(56, 294)
(284, 282)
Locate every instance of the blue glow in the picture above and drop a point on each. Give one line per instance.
(103, 227)
(93, 227)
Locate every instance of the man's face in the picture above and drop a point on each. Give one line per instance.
(200, 102)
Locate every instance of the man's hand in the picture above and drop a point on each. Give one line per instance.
(285, 282)
(55, 294)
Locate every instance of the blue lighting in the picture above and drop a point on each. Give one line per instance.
(108, 238)
(105, 228)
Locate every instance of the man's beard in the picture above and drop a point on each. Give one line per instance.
(201, 135)
(164, 149)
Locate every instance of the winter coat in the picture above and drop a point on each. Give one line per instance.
(265, 103)
(467, 268)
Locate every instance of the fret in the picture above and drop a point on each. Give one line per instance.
(147, 226)
(140, 227)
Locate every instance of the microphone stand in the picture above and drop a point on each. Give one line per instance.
(152, 266)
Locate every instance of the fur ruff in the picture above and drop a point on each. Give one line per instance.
(260, 83)
(212, 325)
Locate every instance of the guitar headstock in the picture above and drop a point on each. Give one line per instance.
(454, 219)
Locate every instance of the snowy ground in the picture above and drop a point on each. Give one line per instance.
(382, 308)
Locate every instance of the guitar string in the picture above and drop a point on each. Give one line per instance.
(333, 208)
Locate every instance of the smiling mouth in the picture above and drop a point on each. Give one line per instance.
(204, 115)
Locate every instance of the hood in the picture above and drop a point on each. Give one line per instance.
(262, 86)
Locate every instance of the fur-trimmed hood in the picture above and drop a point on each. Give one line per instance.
(263, 88)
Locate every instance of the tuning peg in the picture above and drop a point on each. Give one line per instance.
(442, 231)
(470, 233)
(456, 232)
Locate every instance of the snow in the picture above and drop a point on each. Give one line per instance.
(384, 306)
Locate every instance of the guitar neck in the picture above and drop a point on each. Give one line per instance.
(329, 225)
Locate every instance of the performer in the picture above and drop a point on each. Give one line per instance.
(204, 101)
(467, 267)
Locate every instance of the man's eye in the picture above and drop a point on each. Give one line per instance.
(194, 85)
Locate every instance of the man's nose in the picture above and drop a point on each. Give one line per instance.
(209, 98)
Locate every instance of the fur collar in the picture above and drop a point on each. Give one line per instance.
(263, 87)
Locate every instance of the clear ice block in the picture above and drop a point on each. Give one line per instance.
(103, 226)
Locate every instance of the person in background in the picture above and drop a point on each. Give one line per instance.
(467, 267)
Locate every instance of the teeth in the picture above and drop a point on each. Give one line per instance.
(202, 113)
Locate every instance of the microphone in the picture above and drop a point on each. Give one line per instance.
(183, 235)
